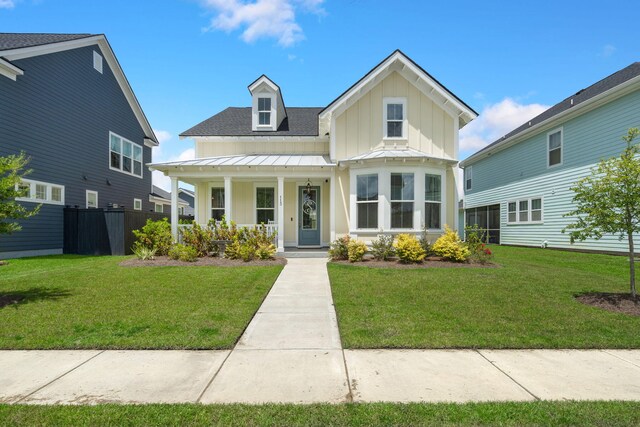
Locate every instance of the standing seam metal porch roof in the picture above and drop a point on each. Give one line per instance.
(275, 160)
(406, 153)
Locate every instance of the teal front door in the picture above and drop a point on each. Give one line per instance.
(309, 216)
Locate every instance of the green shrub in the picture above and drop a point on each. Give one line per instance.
(425, 242)
(408, 249)
(222, 230)
(356, 250)
(250, 243)
(155, 235)
(183, 253)
(144, 253)
(482, 255)
(266, 251)
(382, 248)
(450, 247)
(474, 237)
(200, 238)
(339, 249)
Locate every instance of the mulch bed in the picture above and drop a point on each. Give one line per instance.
(618, 303)
(432, 262)
(163, 261)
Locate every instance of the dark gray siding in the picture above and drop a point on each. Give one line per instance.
(187, 198)
(60, 113)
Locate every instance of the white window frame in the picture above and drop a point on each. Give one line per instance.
(257, 185)
(270, 111)
(359, 202)
(424, 214)
(395, 100)
(468, 177)
(553, 132)
(87, 192)
(137, 202)
(209, 204)
(133, 149)
(412, 201)
(97, 62)
(155, 208)
(529, 211)
(48, 196)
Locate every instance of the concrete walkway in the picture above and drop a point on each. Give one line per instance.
(291, 353)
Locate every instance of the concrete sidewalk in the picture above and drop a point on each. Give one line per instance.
(291, 353)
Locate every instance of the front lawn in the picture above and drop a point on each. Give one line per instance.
(527, 303)
(370, 414)
(74, 302)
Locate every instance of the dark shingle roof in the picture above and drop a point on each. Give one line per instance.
(20, 40)
(579, 97)
(159, 192)
(236, 121)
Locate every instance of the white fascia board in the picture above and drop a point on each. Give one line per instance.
(258, 138)
(101, 41)
(267, 81)
(584, 107)
(9, 70)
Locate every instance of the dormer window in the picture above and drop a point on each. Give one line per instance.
(264, 111)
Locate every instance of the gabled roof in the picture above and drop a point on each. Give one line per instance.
(465, 112)
(20, 40)
(16, 46)
(575, 101)
(188, 192)
(159, 193)
(236, 121)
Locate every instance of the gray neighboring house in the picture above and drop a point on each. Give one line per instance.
(161, 200)
(65, 101)
(188, 196)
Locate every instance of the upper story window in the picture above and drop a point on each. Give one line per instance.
(125, 156)
(40, 192)
(468, 177)
(554, 148)
(367, 200)
(264, 111)
(395, 118)
(402, 194)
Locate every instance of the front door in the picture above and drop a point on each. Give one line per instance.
(309, 216)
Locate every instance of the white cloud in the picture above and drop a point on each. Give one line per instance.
(7, 4)
(607, 50)
(164, 182)
(262, 18)
(495, 121)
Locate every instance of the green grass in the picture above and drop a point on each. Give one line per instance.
(527, 303)
(508, 414)
(74, 302)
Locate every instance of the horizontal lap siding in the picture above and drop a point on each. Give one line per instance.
(557, 200)
(60, 113)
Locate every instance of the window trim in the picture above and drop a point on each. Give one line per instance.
(529, 201)
(257, 185)
(270, 111)
(133, 144)
(32, 192)
(134, 204)
(209, 205)
(553, 132)
(468, 177)
(412, 201)
(440, 202)
(358, 202)
(394, 100)
(155, 207)
(86, 198)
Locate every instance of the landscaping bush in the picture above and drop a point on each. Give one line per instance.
(474, 237)
(144, 253)
(356, 250)
(222, 230)
(154, 235)
(425, 242)
(450, 247)
(200, 238)
(266, 251)
(183, 253)
(382, 248)
(408, 249)
(339, 249)
(250, 243)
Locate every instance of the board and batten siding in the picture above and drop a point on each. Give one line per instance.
(60, 112)
(359, 128)
(587, 139)
(521, 172)
(291, 145)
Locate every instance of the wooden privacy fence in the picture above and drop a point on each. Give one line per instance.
(104, 231)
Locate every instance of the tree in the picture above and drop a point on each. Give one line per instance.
(608, 200)
(12, 170)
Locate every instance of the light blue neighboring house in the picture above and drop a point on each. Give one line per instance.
(518, 187)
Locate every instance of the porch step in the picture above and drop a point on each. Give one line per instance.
(305, 253)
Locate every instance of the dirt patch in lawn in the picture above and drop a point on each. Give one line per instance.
(163, 261)
(618, 303)
(428, 263)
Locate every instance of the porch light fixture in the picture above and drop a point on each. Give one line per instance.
(308, 188)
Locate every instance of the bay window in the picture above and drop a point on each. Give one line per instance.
(432, 201)
(402, 194)
(367, 201)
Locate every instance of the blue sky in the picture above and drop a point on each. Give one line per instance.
(189, 59)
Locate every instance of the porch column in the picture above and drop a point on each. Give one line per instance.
(196, 205)
(227, 198)
(332, 208)
(174, 208)
(280, 214)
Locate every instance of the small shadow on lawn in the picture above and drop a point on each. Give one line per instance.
(16, 298)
